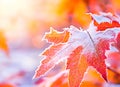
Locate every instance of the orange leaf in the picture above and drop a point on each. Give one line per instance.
(90, 84)
(3, 43)
(77, 65)
(57, 37)
(113, 77)
(6, 85)
(61, 81)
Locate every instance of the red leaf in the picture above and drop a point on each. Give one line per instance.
(113, 59)
(54, 54)
(105, 21)
(47, 63)
(82, 49)
(105, 25)
(99, 64)
(118, 41)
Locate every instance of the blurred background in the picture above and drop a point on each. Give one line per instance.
(23, 24)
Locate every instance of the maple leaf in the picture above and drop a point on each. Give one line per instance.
(57, 37)
(55, 51)
(105, 21)
(82, 48)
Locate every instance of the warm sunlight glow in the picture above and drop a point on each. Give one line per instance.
(12, 11)
(10, 7)
(14, 15)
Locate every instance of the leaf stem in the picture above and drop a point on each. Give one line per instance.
(92, 43)
(90, 38)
